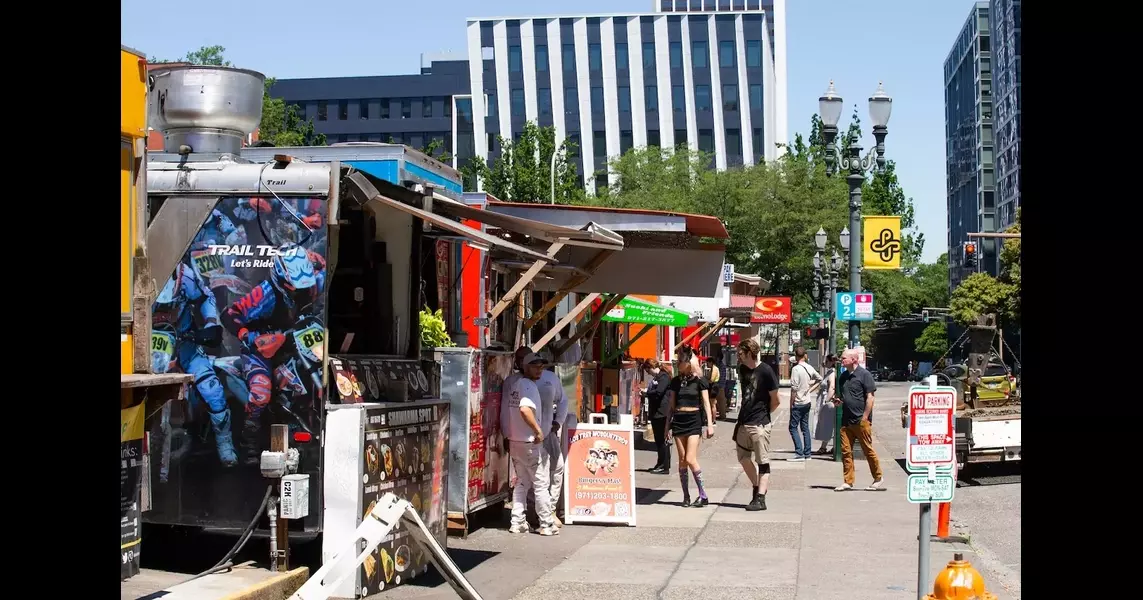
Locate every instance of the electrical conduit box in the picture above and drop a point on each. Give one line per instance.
(295, 496)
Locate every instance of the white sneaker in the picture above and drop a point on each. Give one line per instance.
(796, 459)
(876, 485)
(518, 528)
(549, 530)
(845, 487)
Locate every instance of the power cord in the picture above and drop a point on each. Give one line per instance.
(225, 563)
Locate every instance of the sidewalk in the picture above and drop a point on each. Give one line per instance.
(811, 544)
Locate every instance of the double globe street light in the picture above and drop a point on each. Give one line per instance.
(827, 286)
(829, 108)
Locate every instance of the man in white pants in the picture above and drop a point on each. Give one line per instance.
(554, 414)
(521, 415)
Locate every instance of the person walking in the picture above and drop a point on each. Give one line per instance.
(656, 391)
(826, 410)
(521, 414)
(752, 433)
(689, 417)
(804, 383)
(857, 388)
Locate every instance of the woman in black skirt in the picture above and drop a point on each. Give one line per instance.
(688, 418)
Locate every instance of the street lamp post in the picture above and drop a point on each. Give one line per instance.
(835, 266)
(829, 106)
(829, 274)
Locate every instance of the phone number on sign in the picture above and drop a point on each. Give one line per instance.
(600, 496)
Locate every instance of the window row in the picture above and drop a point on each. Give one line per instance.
(654, 138)
(727, 56)
(382, 108)
(703, 99)
(442, 141)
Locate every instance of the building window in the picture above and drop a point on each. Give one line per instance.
(734, 142)
(676, 49)
(514, 62)
(342, 110)
(621, 55)
(544, 98)
(730, 98)
(490, 105)
(649, 55)
(624, 99)
(601, 181)
(594, 57)
(568, 53)
(518, 102)
(653, 137)
(651, 95)
(323, 110)
(698, 54)
(706, 140)
(756, 141)
(599, 143)
(493, 142)
(571, 101)
(447, 100)
(753, 53)
(464, 112)
(541, 58)
(384, 108)
(678, 97)
(756, 96)
(426, 108)
(406, 108)
(702, 97)
(680, 137)
(363, 108)
(597, 100)
(626, 141)
(726, 54)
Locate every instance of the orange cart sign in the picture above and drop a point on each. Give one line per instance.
(599, 481)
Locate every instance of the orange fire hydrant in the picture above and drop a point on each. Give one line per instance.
(959, 581)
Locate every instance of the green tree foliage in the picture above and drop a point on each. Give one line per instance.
(281, 125)
(523, 171)
(934, 340)
(981, 293)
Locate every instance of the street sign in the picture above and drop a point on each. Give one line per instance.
(727, 273)
(931, 439)
(808, 321)
(882, 238)
(771, 309)
(921, 491)
(817, 315)
(854, 306)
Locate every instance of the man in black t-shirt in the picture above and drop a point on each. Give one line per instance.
(752, 433)
(856, 388)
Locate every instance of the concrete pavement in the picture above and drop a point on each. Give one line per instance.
(811, 544)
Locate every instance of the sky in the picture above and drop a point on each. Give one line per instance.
(902, 43)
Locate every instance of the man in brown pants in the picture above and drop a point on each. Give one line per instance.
(856, 388)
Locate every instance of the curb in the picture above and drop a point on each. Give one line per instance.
(279, 587)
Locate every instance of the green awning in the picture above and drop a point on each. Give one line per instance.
(634, 310)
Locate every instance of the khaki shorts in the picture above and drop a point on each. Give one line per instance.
(754, 440)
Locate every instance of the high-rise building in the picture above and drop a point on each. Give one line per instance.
(969, 145)
(1004, 21)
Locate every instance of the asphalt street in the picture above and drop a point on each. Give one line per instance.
(986, 508)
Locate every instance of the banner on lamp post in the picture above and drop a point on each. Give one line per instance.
(881, 242)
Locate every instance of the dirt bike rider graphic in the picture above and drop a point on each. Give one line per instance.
(176, 341)
(261, 320)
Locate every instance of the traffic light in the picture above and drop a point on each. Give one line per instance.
(816, 333)
(809, 333)
(925, 316)
(970, 257)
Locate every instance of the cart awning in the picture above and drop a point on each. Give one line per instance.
(634, 310)
(479, 238)
(591, 235)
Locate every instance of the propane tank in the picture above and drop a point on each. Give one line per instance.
(959, 581)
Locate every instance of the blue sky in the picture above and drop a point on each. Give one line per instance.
(855, 43)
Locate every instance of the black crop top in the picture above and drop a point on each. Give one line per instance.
(688, 391)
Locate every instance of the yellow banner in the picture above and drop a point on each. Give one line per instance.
(882, 239)
(131, 423)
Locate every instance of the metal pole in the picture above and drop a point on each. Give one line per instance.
(923, 544)
(855, 179)
(554, 154)
(830, 308)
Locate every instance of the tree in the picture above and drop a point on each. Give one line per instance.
(522, 173)
(934, 340)
(281, 125)
(435, 149)
(980, 294)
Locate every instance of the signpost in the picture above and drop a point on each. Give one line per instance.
(854, 306)
(930, 457)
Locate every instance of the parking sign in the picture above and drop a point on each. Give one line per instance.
(854, 306)
(932, 429)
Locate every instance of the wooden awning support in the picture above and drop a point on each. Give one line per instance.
(567, 319)
(522, 282)
(629, 343)
(607, 306)
(697, 331)
(712, 330)
(590, 268)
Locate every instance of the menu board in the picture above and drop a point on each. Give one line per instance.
(599, 475)
(367, 378)
(130, 477)
(404, 453)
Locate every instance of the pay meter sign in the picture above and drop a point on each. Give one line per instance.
(932, 432)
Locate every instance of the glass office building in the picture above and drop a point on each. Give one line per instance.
(1004, 20)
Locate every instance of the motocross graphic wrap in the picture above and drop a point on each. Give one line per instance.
(244, 313)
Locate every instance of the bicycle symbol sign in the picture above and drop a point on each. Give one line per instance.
(853, 306)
